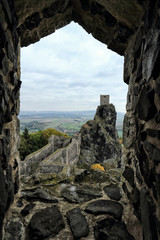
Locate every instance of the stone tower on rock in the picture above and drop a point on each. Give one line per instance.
(99, 138)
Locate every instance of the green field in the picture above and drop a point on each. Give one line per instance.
(69, 123)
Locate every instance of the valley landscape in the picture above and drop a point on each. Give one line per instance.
(66, 122)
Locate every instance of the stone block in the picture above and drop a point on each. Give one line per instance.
(146, 108)
(79, 194)
(147, 216)
(26, 210)
(129, 175)
(45, 223)
(78, 223)
(110, 228)
(112, 208)
(38, 194)
(113, 191)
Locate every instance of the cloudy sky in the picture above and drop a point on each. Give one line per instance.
(68, 70)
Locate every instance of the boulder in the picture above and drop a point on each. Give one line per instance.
(112, 208)
(77, 194)
(112, 191)
(111, 229)
(78, 223)
(38, 194)
(46, 223)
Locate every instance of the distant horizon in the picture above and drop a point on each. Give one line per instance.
(62, 111)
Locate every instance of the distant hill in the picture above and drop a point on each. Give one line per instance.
(56, 114)
(63, 114)
(67, 122)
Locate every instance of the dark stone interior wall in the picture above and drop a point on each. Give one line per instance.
(142, 122)
(9, 105)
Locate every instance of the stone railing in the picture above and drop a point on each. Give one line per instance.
(32, 161)
(49, 160)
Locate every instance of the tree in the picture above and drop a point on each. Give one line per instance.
(26, 134)
(25, 148)
(51, 131)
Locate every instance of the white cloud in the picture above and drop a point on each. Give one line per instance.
(68, 70)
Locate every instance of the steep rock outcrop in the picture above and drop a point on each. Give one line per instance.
(99, 139)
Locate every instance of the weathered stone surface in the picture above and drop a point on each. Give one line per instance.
(105, 207)
(19, 203)
(120, 25)
(14, 229)
(50, 168)
(146, 108)
(113, 26)
(153, 133)
(129, 130)
(46, 223)
(78, 194)
(32, 161)
(26, 210)
(97, 176)
(78, 223)
(99, 140)
(147, 216)
(53, 161)
(8, 120)
(152, 151)
(113, 191)
(3, 199)
(135, 201)
(80, 175)
(111, 229)
(38, 194)
(129, 175)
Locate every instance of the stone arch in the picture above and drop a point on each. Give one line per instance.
(110, 26)
(130, 28)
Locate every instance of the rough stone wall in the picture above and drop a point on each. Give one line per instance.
(142, 122)
(32, 161)
(9, 107)
(57, 158)
(111, 22)
(114, 23)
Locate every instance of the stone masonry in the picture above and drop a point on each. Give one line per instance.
(104, 100)
(128, 27)
(9, 106)
(57, 158)
(59, 200)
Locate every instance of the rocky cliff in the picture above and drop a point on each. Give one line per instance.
(99, 139)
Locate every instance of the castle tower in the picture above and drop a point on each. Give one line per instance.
(104, 100)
